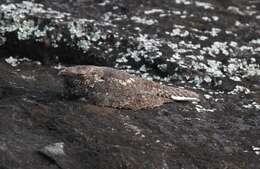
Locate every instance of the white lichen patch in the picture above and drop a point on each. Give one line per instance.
(147, 76)
(76, 29)
(178, 32)
(239, 89)
(184, 2)
(144, 21)
(214, 68)
(84, 45)
(200, 109)
(26, 29)
(213, 32)
(176, 12)
(15, 61)
(55, 149)
(207, 96)
(147, 45)
(205, 18)
(255, 41)
(204, 5)
(252, 70)
(152, 11)
(122, 59)
(217, 48)
(235, 78)
(256, 150)
(143, 68)
(233, 44)
(235, 10)
(240, 68)
(215, 18)
(26, 77)
(2, 40)
(104, 3)
(252, 105)
(201, 37)
(12, 61)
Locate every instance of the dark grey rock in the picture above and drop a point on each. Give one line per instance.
(211, 46)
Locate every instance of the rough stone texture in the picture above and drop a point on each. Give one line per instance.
(212, 45)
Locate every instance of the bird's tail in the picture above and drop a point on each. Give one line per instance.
(179, 94)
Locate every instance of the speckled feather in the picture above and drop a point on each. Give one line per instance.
(106, 86)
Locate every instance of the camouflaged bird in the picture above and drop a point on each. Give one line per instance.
(106, 86)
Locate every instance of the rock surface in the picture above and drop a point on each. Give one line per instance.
(212, 45)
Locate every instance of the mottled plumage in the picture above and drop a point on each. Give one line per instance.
(115, 88)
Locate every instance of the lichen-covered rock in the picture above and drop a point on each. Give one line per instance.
(223, 56)
(211, 45)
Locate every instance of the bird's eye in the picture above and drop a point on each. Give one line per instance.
(94, 73)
